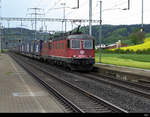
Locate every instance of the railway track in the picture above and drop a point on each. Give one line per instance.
(76, 98)
(135, 88)
(67, 103)
(139, 89)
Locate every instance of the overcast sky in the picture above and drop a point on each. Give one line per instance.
(18, 8)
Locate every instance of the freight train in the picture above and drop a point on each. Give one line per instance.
(73, 51)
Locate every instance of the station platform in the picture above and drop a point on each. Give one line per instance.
(128, 72)
(136, 71)
(20, 93)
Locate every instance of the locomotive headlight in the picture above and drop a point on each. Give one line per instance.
(82, 52)
(74, 56)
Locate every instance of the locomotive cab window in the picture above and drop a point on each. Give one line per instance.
(88, 44)
(62, 45)
(75, 44)
(56, 45)
(59, 44)
(49, 45)
(68, 43)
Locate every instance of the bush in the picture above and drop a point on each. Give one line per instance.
(119, 51)
(125, 51)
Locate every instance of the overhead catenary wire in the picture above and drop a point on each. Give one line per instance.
(36, 14)
(83, 4)
(56, 3)
(114, 7)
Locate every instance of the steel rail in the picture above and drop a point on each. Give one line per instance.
(51, 89)
(94, 97)
(121, 86)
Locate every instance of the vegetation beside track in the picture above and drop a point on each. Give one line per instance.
(137, 56)
(143, 48)
(129, 60)
(4, 50)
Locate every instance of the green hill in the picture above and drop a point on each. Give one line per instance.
(113, 33)
(110, 33)
(11, 36)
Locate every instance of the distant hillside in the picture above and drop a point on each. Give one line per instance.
(113, 33)
(22, 34)
(110, 33)
(11, 36)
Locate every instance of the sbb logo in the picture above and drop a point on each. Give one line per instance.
(82, 52)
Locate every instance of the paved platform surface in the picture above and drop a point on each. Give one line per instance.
(19, 92)
(137, 71)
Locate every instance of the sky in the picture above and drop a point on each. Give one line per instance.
(111, 12)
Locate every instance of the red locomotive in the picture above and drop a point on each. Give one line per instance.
(74, 51)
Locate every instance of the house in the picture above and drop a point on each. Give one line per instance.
(115, 45)
(102, 46)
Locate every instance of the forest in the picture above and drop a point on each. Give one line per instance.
(110, 33)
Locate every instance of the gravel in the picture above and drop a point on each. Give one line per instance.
(124, 99)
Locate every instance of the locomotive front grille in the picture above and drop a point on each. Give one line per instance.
(83, 61)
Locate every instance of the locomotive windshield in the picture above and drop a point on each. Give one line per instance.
(88, 44)
(75, 44)
(77, 40)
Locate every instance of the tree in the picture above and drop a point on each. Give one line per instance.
(134, 39)
(137, 37)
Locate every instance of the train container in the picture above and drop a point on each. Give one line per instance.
(37, 47)
(27, 47)
(31, 47)
(22, 47)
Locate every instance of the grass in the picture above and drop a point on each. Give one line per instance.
(129, 60)
(4, 50)
(8, 73)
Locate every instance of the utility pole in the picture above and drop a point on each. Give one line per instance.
(142, 29)
(100, 28)
(35, 16)
(90, 17)
(64, 12)
(0, 28)
(8, 33)
(128, 4)
(100, 32)
(64, 17)
(22, 32)
(78, 4)
(0, 38)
